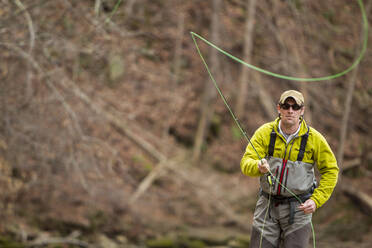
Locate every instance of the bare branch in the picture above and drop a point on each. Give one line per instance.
(29, 22)
(147, 182)
(118, 123)
(245, 76)
(360, 198)
(209, 93)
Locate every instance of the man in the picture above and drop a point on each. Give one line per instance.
(291, 150)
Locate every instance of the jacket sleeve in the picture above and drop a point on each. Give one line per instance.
(249, 162)
(328, 169)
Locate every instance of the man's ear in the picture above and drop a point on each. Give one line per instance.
(303, 110)
(278, 108)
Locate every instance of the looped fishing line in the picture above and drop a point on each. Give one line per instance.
(356, 62)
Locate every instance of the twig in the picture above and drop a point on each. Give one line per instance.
(29, 22)
(147, 182)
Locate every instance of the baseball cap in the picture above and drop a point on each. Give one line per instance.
(297, 96)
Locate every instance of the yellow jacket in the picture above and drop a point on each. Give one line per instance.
(300, 174)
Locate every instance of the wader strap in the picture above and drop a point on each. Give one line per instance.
(292, 201)
(304, 138)
(272, 142)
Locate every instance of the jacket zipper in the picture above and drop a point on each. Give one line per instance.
(286, 179)
(284, 165)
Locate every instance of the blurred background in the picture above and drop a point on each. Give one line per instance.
(113, 135)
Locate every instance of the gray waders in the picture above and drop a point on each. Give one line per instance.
(285, 224)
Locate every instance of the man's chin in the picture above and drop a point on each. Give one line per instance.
(289, 121)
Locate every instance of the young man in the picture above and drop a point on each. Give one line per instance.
(291, 150)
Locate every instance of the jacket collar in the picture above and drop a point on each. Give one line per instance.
(303, 127)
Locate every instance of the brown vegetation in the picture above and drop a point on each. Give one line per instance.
(100, 109)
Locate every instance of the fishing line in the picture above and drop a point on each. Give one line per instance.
(224, 99)
(356, 62)
(113, 11)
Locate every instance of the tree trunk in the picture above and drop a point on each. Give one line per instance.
(209, 91)
(248, 44)
(345, 117)
(178, 47)
(97, 7)
(358, 197)
(264, 97)
(348, 101)
(29, 88)
(129, 7)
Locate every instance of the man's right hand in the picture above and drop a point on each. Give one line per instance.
(263, 166)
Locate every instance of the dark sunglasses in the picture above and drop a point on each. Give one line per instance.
(286, 106)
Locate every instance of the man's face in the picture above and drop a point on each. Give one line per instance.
(289, 112)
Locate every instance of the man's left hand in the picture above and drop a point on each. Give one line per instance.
(308, 206)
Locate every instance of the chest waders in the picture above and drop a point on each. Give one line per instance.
(278, 192)
(288, 184)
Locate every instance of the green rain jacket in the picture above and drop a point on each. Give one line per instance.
(297, 176)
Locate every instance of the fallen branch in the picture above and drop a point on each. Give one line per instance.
(361, 199)
(351, 164)
(68, 241)
(147, 182)
(119, 124)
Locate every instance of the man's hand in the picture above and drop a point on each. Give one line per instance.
(308, 206)
(263, 166)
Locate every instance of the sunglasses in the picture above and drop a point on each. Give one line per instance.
(286, 106)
